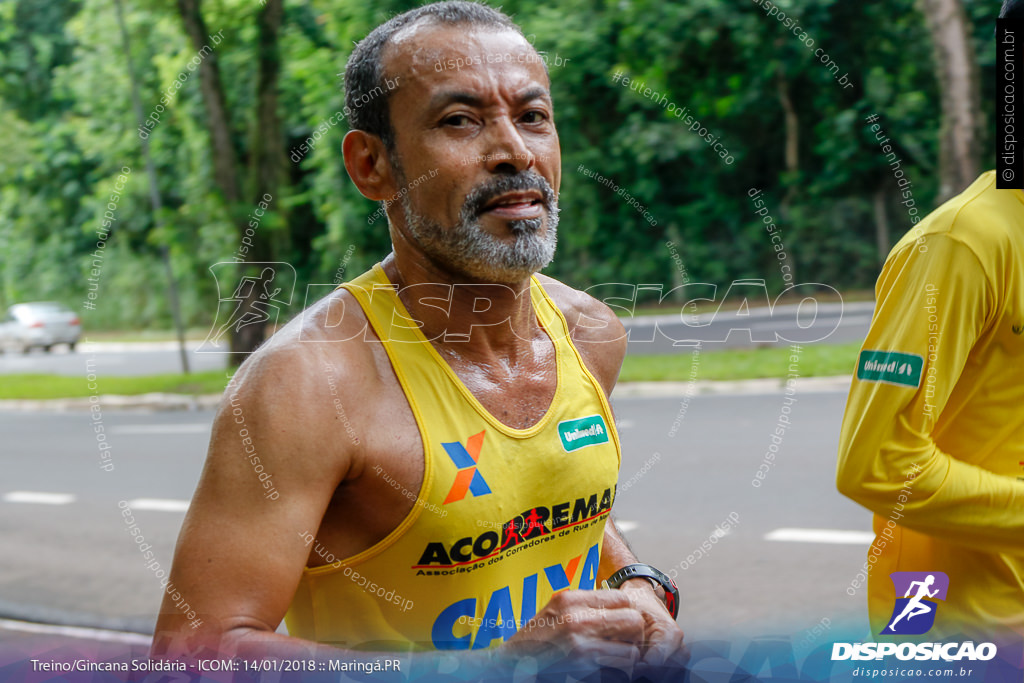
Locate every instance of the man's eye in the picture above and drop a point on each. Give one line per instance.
(457, 120)
(534, 116)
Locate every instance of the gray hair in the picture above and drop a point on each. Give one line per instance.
(366, 89)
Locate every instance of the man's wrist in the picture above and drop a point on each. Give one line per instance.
(645, 585)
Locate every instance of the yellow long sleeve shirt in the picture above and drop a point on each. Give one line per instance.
(933, 436)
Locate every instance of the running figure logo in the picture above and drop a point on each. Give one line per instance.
(251, 298)
(914, 613)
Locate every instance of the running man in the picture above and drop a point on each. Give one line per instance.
(933, 436)
(448, 379)
(916, 606)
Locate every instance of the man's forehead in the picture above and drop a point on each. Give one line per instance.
(423, 48)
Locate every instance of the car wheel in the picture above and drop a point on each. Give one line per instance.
(47, 348)
(25, 348)
(71, 347)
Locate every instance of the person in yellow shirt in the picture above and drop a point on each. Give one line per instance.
(933, 435)
(438, 429)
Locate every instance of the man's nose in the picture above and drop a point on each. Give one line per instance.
(509, 152)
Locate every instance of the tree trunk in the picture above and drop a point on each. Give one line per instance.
(956, 69)
(792, 153)
(267, 155)
(225, 161)
(266, 158)
(792, 150)
(156, 202)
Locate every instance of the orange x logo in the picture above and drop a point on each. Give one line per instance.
(466, 458)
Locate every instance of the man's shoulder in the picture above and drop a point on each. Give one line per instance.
(589, 319)
(324, 346)
(595, 331)
(991, 223)
(984, 219)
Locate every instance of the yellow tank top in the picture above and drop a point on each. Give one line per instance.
(505, 517)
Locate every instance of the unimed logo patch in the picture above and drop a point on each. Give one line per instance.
(891, 367)
(582, 432)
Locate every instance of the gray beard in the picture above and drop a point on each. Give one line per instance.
(471, 251)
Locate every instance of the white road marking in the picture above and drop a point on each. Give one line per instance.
(161, 504)
(76, 632)
(624, 424)
(624, 526)
(39, 498)
(194, 428)
(836, 536)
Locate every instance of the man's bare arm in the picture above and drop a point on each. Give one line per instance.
(601, 340)
(240, 553)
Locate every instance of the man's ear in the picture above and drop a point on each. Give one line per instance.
(367, 163)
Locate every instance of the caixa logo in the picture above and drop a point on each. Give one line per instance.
(914, 614)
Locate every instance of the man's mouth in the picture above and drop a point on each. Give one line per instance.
(516, 205)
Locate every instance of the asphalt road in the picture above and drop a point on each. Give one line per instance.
(736, 327)
(66, 555)
(132, 358)
(733, 328)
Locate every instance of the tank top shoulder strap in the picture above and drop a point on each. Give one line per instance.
(378, 298)
(573, 371)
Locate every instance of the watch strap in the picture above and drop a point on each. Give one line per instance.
(646, 571)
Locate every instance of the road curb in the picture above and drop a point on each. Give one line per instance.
(145, 402)
(172, 402)
(101, 635)
(745, 387)
(13, 615)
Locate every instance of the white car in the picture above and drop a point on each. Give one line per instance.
(41, 324)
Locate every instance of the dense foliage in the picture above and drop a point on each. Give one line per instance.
(792, 128)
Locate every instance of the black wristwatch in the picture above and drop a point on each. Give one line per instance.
(635, 571)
